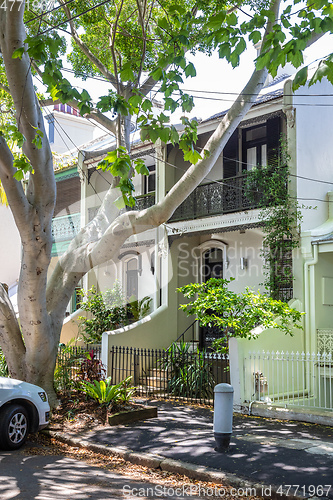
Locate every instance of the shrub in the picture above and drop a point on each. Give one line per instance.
(109, 311)
(3, 365)
(68, 361)
(190, 372)
(104, 392)
(91, 368)
(236, 314)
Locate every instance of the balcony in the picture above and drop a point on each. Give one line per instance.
(216, 198)
(65, 228)
(144, 201)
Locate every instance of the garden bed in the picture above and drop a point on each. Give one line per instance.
(78, 412)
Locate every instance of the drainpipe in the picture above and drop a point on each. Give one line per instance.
(310, 296)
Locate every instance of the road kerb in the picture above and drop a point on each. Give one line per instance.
(192, 471)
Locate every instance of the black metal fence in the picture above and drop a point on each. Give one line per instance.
(71, 364)
(176, 372)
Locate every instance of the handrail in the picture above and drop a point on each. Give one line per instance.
(182, 334)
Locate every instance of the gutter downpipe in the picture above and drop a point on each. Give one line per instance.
(310, 296)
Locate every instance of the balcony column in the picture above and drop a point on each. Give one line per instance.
(161, 240)
(83, 172)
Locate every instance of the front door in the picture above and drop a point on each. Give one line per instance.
(212, 267)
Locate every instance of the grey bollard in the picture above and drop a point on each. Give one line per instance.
(223, 412)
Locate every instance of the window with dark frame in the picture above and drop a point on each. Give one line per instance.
(149, 181)
(261, 144)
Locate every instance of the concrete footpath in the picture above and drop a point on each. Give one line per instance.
(280, 459)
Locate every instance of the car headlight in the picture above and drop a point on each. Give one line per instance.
(43, 396)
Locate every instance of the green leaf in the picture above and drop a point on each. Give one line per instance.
(135, 100)
(240, 47)
(84, 109)
(232, 19)
(54, 91)
(146, 105)
(18, 53)
(164, 134)
(127, 74)
(144, 133)
(140, 167)
(163, 23)
(171, 104)
(193, 156)
(190, 70)
(224, 50)
(85, 96)
(300, 78)
(174, 135)
(180, 61)
(255, 36)
(157, 74)
(105, 103)
(19, 175)
(322, 71)
(120, 202)
(216, 21)
(37, 140)
(153, 134)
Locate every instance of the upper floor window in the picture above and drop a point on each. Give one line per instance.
(149, 181)
(261, 144)
(251, 146)
(255, 146)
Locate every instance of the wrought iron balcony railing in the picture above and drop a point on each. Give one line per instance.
(144, 201)
(216, 198)
(65, 228)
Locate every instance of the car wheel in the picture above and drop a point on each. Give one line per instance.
(14, 427)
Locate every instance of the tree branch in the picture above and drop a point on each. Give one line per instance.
(11, 340)
(28, 114)
(87, 52)
(314, 38)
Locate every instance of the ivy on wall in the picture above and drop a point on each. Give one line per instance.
(268, 188)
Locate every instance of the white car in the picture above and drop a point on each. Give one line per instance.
(24, 408)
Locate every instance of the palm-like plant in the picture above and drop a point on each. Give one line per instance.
(104, 392)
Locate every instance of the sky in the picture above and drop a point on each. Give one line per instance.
(213, 75)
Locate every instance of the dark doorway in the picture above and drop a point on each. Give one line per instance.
(212, 267)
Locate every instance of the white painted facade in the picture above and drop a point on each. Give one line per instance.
(307, 124)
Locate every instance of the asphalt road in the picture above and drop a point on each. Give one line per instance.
(24, 476)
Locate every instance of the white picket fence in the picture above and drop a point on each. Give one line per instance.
(289, 379)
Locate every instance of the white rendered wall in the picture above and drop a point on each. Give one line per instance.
(314, 126)
(80, 131)
(10, 248)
